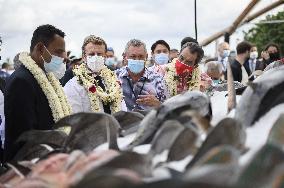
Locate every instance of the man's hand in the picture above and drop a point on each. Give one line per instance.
(148, 100)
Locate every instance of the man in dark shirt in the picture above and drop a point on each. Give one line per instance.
(26, 105)
(240, 73)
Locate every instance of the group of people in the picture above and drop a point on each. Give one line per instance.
(246, 65)
(48, 85)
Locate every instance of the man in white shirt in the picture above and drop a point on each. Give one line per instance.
(94, 87)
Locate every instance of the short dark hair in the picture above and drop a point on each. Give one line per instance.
(5, 65)
(186, 40)
(174, 50)
(45, 34)
(243, 47)
(161, 42)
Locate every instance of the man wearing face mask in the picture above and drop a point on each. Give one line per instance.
(223, 55)
(94, 87)
(34, 98)
(110, 62)
(160, 54)
(253, 64)
(240, 72)
(183, 73)
(142, 89)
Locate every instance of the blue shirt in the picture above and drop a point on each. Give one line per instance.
(149, 83)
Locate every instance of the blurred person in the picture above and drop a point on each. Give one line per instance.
(271, 53)
(69, 72)
(253, 64)
(173, 54)
(240, 73)
(186, 40)
(223, 55)
(111, 61)
(214, 70)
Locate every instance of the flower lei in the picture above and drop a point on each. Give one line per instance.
(172, 78)
(50, 87)
(113, 93)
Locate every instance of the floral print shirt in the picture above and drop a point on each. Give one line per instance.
(150, 83)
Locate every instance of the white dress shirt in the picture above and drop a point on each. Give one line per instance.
(78, 98)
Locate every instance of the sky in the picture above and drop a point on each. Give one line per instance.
(118, 21)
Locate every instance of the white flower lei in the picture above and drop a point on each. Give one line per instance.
(50, 87)
(172, 80)
(113, 93)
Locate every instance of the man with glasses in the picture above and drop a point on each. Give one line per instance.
(183, 73)
(142, 89)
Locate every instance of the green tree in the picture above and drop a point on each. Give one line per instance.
(264, 33)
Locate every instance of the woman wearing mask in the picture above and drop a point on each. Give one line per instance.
(271, 54)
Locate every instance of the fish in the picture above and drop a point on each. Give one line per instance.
(171, 109)
(186, 143)
(103, 179)
(139, 163)
(257, 171)
(227, 132)
(165, 136)
(128, 121)
(276, 133)
(222, 154)
(38, 143)
(214, 174)
(261, 95)
(89, 130)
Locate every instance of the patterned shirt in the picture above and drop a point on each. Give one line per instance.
(150, 83)
(159, 69)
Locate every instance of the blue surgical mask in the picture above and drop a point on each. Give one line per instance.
(226, 53)
(110, 61)
(215, 82)
(136, 66)
(161, 58)
(56, 65)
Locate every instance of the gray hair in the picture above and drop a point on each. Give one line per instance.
(194, 47)
(135, 43)
(213, 66)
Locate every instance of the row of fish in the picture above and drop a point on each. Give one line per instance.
(178, 133)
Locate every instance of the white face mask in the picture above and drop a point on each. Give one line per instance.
(95, 63)
(56, 65)
(253, 55)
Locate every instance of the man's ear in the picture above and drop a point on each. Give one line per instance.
(39, 47)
